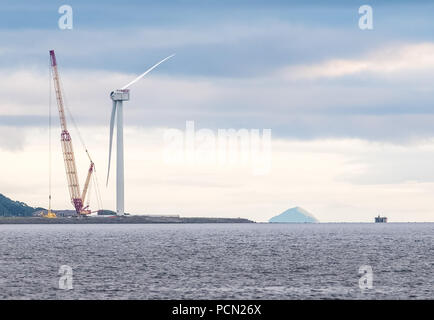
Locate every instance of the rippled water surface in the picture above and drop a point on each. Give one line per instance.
(217, 261)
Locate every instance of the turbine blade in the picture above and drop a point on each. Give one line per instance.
(146, 72)
(112, 123)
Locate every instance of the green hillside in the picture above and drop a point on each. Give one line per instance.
(10, 208)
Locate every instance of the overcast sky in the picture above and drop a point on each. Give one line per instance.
(350, 111)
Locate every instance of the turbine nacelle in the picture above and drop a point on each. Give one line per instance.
(120, 95)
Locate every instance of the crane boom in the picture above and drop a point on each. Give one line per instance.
(86, 184)
(77, 198)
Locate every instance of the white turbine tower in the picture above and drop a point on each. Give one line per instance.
(118, 96)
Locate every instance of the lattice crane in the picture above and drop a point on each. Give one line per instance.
(77, 197)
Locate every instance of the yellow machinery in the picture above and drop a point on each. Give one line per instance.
(50, 214)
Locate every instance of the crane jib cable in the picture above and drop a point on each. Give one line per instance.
(74, 123)
(49, 136)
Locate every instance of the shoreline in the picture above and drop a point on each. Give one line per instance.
(119, 220)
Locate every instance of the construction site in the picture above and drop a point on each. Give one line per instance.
(80, 197)
(77, 196)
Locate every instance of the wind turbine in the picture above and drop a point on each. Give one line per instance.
(118, 96)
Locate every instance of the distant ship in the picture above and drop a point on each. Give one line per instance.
(380, 219)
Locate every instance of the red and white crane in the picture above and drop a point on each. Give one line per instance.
(77, 197)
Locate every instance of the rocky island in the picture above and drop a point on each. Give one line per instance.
(294, 215)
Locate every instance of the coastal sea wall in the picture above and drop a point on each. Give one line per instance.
(125, 219)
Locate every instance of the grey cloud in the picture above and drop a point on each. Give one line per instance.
(233, 49)
(306, 111)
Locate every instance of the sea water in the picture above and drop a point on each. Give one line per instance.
(217, 261)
